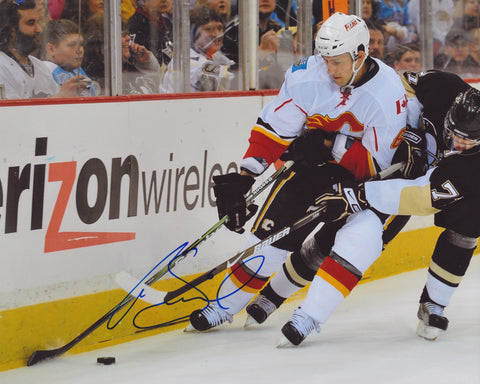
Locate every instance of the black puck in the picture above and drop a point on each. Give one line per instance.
(106, 360)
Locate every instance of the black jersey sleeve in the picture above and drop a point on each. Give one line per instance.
(454, 179)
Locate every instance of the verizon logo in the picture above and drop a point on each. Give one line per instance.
(93, 190)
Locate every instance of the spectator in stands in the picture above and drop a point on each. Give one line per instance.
(398, 28)
(442, 11)
(21, 74)
(209, 67)
(456, 56)
(140, 68)
(407, 58)
(370, 10)
(79, 11)
(271, 74)
(55, 8)
(127, 9)
(230, 38)
(94, 56)
(151, 29)
(223, 7)
(467, 14)
(280, 13)
(377, 38)
(474, 37)
(63, 49)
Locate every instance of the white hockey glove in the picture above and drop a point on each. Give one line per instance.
(342, 199)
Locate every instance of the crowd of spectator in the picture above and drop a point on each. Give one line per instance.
(68, 42)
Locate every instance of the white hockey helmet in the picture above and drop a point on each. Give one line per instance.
(342, 33)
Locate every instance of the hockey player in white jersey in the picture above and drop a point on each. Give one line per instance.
(450, 124)
(341, 114)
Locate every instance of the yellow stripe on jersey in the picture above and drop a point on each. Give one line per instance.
(416, 200)
(269, 201)
(371, 165)
(271, 135)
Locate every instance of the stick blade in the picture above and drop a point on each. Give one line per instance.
(39, 356)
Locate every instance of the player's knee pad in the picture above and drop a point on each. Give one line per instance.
(308, 259)
(459, 240)
(451, 257)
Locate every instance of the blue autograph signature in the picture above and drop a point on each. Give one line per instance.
(171, 257)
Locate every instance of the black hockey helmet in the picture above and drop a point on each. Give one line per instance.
(463, 119)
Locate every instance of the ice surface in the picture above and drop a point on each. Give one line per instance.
(369, 339)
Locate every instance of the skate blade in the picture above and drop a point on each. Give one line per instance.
(190, 329)
(249, 322)
(285, 343)
(427, 332)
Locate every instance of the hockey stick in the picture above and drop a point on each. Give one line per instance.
(41, 355)
(154, 296)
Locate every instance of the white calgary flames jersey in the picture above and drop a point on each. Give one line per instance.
(373, 116)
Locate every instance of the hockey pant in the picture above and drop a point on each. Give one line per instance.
(453, 251)
(287, 202)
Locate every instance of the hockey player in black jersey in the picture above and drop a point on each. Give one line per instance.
(445, 114)
(451, 116)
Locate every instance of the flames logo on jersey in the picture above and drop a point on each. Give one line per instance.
(333, 125)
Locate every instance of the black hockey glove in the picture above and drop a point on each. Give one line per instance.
(342, 199)
(230, 192)
(412, 151)
(309, 148)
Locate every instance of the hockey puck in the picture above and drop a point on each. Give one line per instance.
(106, 360)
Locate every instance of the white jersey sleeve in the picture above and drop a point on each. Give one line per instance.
(401, 196)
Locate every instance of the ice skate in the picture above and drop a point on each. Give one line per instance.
(258, 310)
(297, 329)
(432, 321)
(208, 318)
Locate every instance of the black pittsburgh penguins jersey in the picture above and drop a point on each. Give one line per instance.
(450, 189)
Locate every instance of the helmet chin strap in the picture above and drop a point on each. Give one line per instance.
(348, 88)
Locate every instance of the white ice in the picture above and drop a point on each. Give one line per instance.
(369, 339)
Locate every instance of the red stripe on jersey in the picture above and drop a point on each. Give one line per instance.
(358, 161)
(285, 102)
(264, 147)
(244, 280)
(376, 139)
(338, 276)
(304, 112)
